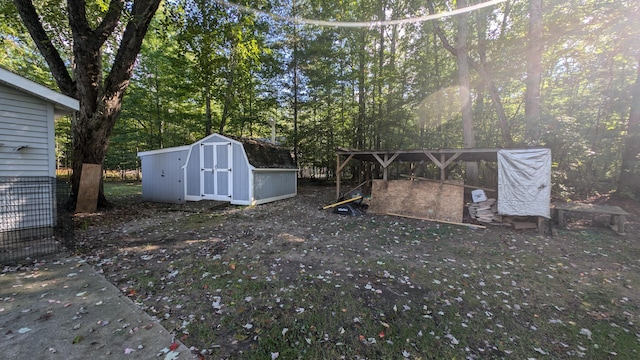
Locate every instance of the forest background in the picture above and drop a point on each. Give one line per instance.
(562, 74)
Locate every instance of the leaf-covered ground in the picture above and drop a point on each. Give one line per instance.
(286, 280)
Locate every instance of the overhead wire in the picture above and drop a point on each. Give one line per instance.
(361, 24)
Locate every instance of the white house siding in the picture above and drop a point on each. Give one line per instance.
(27, 122)
(27, 203)
(27, 161)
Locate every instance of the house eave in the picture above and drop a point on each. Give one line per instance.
(63, 104)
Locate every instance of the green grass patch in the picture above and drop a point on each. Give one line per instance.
(122, 189)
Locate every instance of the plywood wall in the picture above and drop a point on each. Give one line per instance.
(417, 198)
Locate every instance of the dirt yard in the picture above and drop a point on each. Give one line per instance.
(287, 280)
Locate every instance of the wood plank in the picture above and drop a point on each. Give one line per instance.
(447, 182)
(435, 201)
(439, 221)
(590, 208)
(89, 188)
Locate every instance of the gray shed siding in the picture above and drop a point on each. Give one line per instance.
(214, 175)
(193, 173)
(274, 184)
(241, 174)
(163, 177)
(26, 135)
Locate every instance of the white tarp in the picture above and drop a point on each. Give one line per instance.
(524, 182)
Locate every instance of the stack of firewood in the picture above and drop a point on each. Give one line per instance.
(485, 211)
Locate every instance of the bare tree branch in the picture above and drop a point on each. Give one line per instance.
(110, 21)
(31, 20)
(141, 15)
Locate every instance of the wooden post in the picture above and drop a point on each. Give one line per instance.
(561, 222)
(543, 226)
(443, 176)
(617, 223)
(338, 169)
(385, 174)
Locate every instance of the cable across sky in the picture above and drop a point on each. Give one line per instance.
(362, 24)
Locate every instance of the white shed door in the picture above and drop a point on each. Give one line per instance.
(215, 171)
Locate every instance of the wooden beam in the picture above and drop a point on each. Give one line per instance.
(343, 202)
(452, 159)
(433, 159)
(339, 168)
(447, 182)
(439, 221)
(387, 161)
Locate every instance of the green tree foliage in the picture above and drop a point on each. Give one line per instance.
(209, 66)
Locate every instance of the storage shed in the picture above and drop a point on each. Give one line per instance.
(241, 171)
(27, 154)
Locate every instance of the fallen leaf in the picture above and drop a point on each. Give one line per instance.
(171, 355)
(586, 332)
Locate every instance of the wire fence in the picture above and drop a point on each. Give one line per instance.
(36, 218)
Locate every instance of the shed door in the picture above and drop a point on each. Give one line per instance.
(215, 171)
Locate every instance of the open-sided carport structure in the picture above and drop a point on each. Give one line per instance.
(524, 175)
(442, 158)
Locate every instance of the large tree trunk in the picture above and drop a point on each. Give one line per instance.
(629, 181)
(485, 75)
(468, 133)
(208, 121)
(228, 97)
(534, 74)
(100, 101)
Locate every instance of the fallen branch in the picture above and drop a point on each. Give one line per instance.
(439, 221)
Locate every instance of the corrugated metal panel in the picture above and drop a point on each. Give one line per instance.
(26, 123)
(268, 185)
(162, 177)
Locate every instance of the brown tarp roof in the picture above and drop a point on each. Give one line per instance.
(265, 155)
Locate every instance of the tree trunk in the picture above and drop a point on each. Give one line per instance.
(229, 93)
(534, 74)
(359, 138)
(486, 76)
(629, 181)
(468, 133)
(100, 101)
(208, 121)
